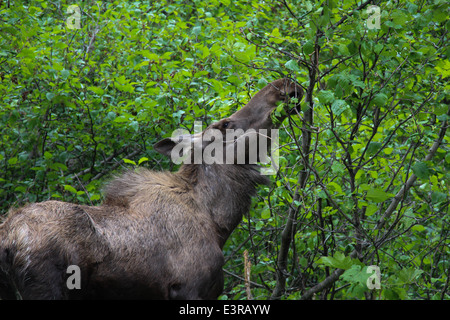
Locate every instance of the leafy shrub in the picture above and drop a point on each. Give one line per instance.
(364, 175)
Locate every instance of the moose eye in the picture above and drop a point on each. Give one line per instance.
(225, 125)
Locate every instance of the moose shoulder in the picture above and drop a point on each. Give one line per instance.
(157, 235)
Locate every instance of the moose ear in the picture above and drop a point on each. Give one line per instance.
(165, 146)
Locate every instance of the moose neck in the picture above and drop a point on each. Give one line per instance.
(224, 191)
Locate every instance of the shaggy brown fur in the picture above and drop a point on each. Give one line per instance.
(158, 235)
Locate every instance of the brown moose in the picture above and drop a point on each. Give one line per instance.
(157, 235)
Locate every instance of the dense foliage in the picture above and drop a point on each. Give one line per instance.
(364, 177)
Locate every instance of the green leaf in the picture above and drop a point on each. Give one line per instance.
(399, 17)
(408, 275)
(373, 147)
(357, 277)
(380, 100)
(321, 194)
(49, 96)
(376, 195)
(21, 189)
(129, 161)
(356, 274)
(338, 107)
(335, 186)
(337, 167)
(308, 48)
(447, 158)
(371, 209)
(292, 65)
(65, 74)
(95, 197)
(262, 83)
(325, 96)
(135, 125)
(97, 90)
(418, 227)
(343, 49)
(265, 214)
(57, 166)
(338, 260)
(395, 293)
(420, 169)
(443, 67)
(143, 159)
(438, 197)
(276, 36)
(275, 32)
(196, 30)
(70, 189)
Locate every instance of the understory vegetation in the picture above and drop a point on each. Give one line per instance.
(359, 208)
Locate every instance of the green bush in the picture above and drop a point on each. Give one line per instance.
(76, 104)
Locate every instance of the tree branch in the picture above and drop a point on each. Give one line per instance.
(395, 201)
(404, 190)
(288, 231)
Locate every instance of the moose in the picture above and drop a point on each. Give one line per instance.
(156, 235)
